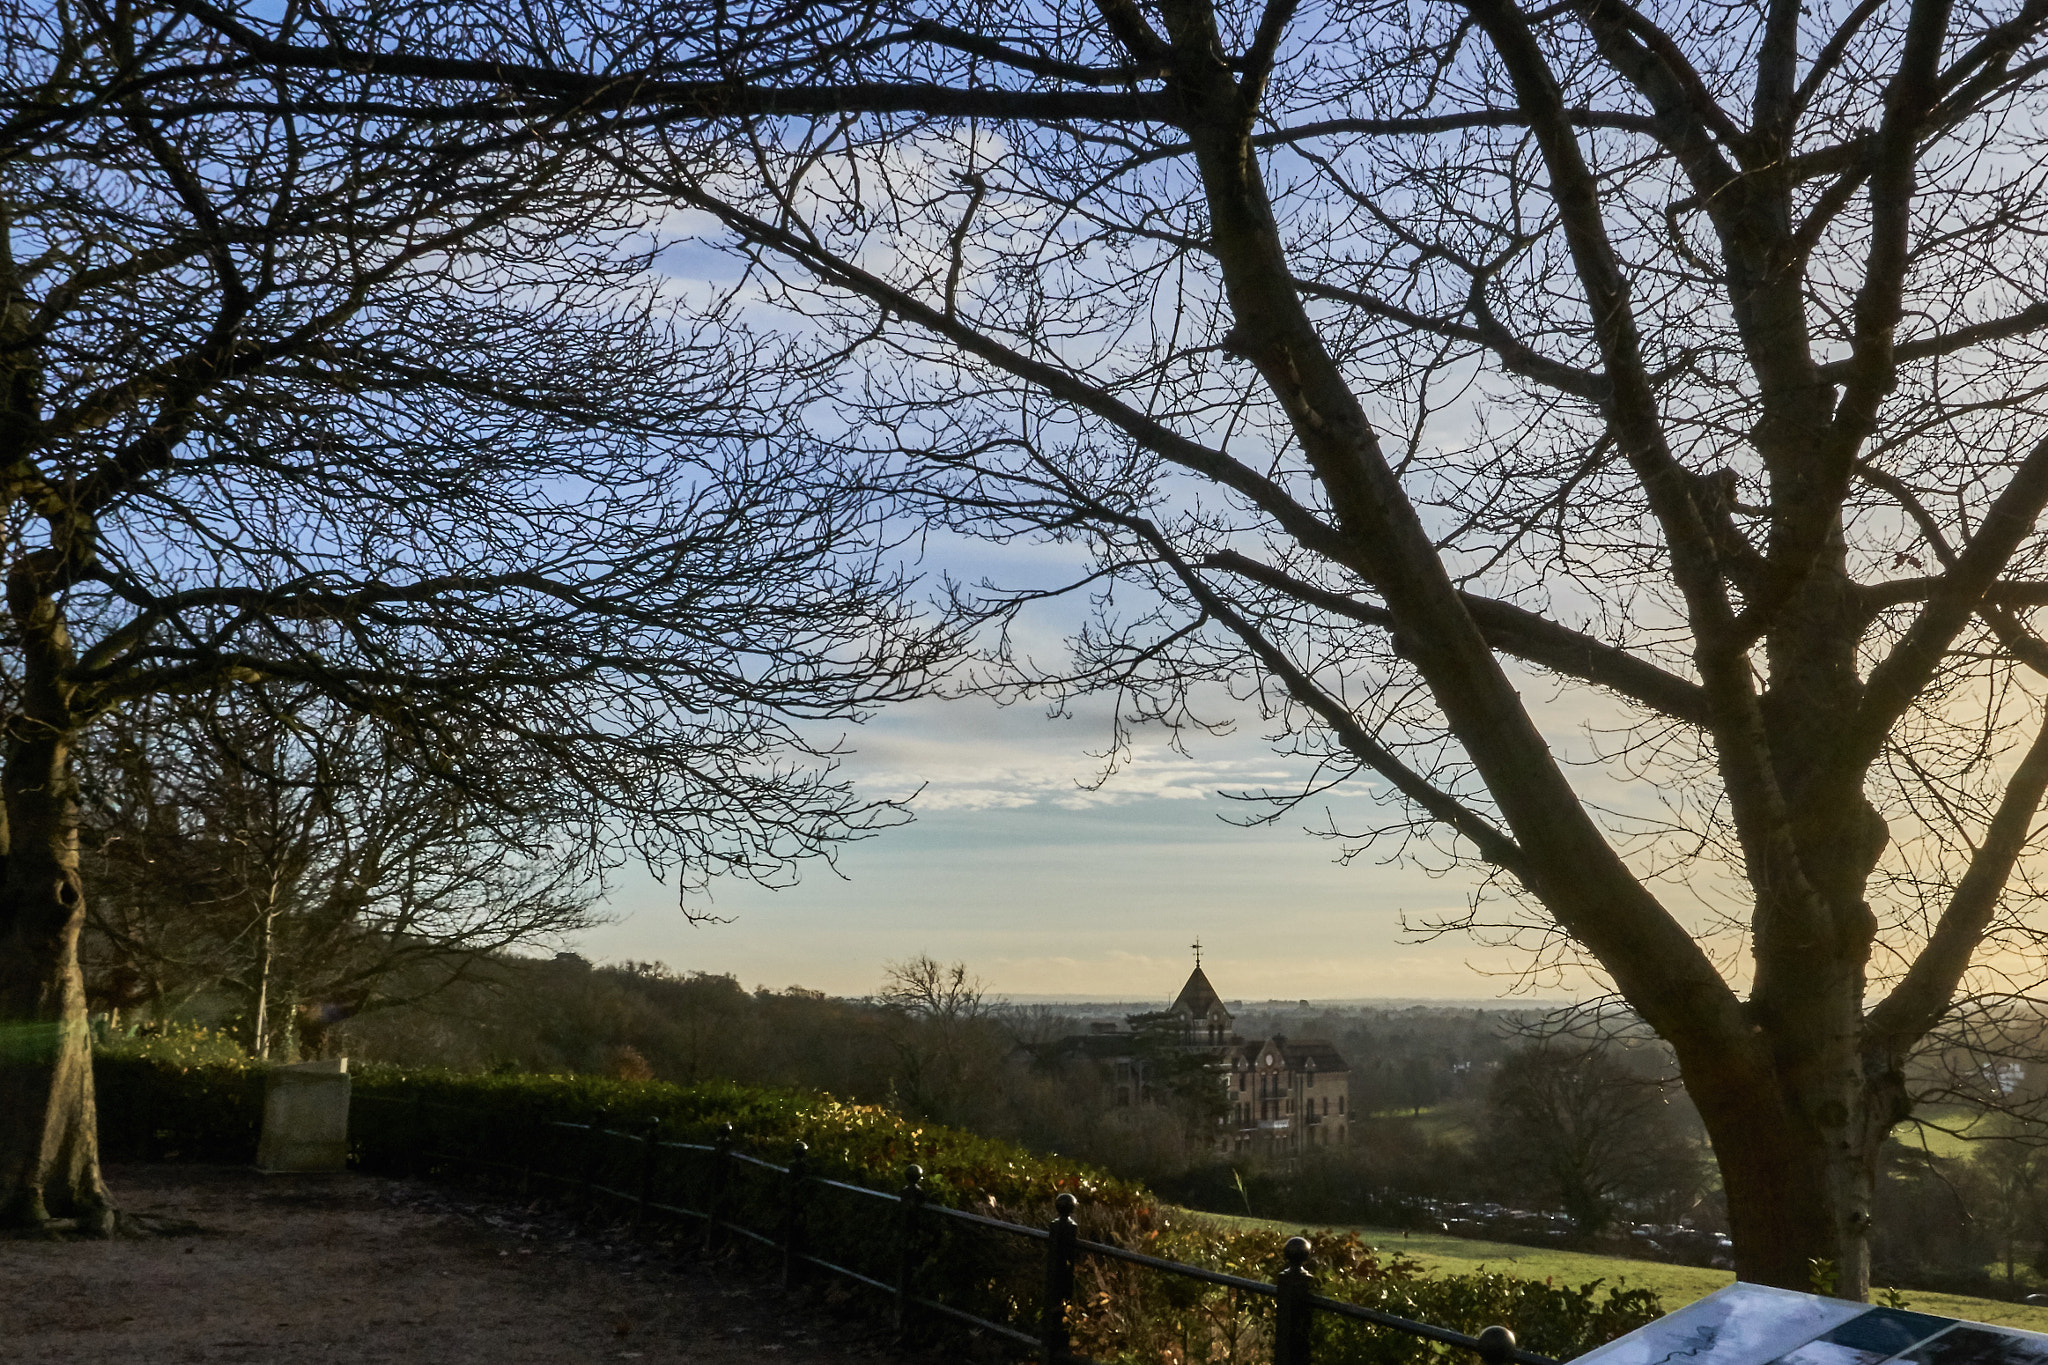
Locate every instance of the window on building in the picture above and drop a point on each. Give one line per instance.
(1311, 1078)
(1340, 1104)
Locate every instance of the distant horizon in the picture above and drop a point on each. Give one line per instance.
(1355, 1002)
(1053, 887)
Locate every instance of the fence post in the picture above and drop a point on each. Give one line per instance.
(908, 1199)
(796, 1190)
(593, 1137)
(529, 1154)
(416, 1163)
(714, 1191)
(1496, 1346)
(1059, 1282)
(1294, 1314)
(650, 1151)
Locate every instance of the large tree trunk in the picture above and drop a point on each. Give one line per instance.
(1797, 1137)
(1798, 1196)
(49, 1147)
(49, 1138)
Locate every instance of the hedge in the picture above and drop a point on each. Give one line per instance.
(184, 1100)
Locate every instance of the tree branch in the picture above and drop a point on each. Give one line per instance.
(1923, 995)
(1516, 356)
(1900, 675)
(1269, 497)
(2028, 319)
(1514, 631)
(589, 94)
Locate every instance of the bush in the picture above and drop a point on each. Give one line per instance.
(1128, 1313)
(178, 1095)
(512, 1116)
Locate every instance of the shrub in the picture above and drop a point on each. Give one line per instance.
(512, 1117)
(178, 1094)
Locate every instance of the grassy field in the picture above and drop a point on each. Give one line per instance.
(1952, 1138)
(1677, 1285)
(1433, 1120)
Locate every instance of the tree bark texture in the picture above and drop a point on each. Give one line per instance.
(49, 1145)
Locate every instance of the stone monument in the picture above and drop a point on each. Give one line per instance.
(305, 1117)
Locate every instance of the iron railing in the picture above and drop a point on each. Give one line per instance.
(584, 1145)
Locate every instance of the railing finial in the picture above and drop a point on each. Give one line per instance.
(1294, 1308)
(1060, 1250)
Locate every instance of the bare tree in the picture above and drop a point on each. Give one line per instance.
(925, 988)
(1447, 378)
(305, 867)
(298, 391)
(944, 1033)
(1578, 1126)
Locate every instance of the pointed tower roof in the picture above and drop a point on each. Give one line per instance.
(1198, 997)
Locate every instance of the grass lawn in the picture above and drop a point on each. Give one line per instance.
(1942, 1141)
(1433, 1121)
(1677, 1285)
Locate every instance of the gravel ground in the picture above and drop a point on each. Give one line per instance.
(221, 1264)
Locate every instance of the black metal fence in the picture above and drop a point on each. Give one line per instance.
(636, 1173)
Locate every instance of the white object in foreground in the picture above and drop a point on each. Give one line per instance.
(1751, 1324)
(305, 1118)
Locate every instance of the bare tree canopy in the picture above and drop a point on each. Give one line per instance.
(1588, 1131)
(394, 415)
(294, 860)
(1403, 365)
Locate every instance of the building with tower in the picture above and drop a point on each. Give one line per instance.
(1279, 1096)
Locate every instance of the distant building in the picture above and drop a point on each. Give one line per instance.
(1281, 1096)
(1288, 1095)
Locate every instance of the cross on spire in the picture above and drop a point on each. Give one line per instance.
(1198, 952)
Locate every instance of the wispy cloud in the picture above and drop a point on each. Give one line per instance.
(979, 757)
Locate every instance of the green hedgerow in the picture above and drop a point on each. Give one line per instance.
(586, 1136)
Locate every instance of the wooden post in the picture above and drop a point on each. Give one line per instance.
(1059, 1282)
(908, 1200)
(1294, 1316)
(714, 1185)
(650, 1152)
(796, 1190)
(1496, 1346)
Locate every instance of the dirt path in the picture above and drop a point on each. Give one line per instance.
(230, 1265)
